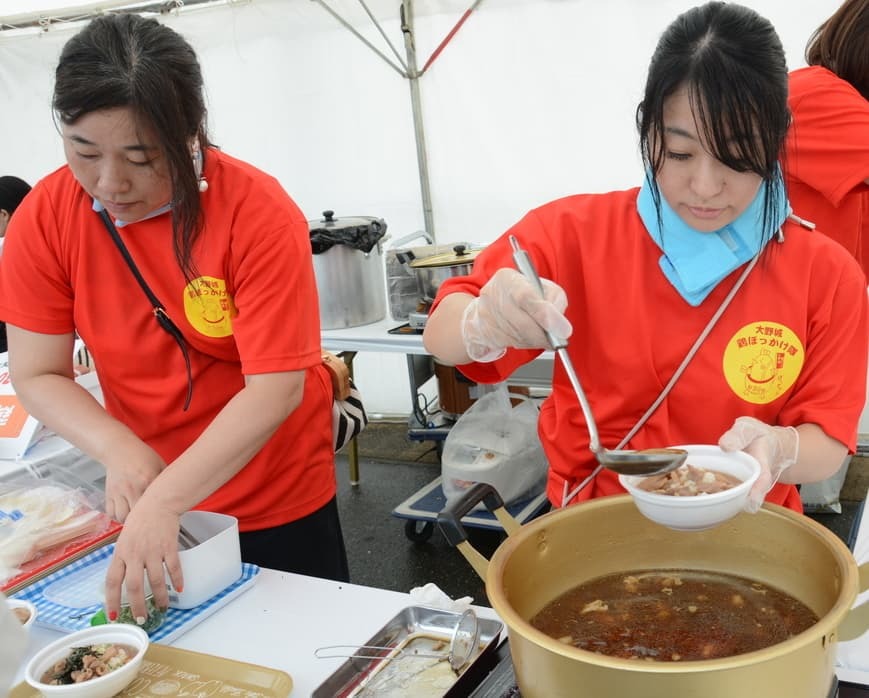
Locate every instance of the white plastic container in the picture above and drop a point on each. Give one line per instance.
(213, 564)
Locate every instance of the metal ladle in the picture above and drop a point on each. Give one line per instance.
(464, 642)
(652, 461)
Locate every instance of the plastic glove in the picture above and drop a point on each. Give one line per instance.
(509, 312)
(775, 448)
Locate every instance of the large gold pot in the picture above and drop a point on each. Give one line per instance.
(562, 549)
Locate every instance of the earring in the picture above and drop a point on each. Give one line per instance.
(197, 166)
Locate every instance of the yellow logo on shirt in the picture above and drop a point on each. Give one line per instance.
(209, 307)
(762, 361)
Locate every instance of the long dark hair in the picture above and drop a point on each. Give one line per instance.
(125, 60)
(841, 45)
(732, 63)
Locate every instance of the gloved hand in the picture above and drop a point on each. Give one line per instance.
(509, 312)
(775, 448)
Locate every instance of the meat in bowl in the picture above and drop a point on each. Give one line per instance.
(688, 481)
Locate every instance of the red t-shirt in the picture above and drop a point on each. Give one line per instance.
(827, 158)
(791, 348)
(252, 309)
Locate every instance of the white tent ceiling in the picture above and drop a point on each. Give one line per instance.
(19, 12)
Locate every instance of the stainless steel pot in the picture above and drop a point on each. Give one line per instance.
(562, 549)
(433, 270)
(348, 266)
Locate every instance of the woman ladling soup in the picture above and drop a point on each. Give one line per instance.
(635, 277)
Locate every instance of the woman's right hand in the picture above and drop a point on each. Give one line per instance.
(509, 312)
(128, 474)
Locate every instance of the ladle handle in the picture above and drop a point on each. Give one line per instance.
(526, 268)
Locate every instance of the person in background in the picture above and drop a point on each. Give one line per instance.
(637, 280)
(224, 406)
(827, 149)
(12, 192)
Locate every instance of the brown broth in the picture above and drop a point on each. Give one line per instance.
(673, 615)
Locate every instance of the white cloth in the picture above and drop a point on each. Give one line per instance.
(431, 595)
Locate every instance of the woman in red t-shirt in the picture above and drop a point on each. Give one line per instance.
(227, 409)
(659, 283)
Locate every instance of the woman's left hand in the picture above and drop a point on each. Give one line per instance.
(130, 470)
(775, 448)
(147, 546)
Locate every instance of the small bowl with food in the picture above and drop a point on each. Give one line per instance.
(711, 487)
(24, 611)
(97, 662)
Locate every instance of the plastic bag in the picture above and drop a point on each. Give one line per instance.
(496, 443)
(39, 515)
(823, 497)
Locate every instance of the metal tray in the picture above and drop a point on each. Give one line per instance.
(415, 627)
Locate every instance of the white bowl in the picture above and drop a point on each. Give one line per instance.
(29, 607)
(702, 511)
(101, 687)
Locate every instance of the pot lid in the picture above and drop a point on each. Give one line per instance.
(358, 232)
(460, 255)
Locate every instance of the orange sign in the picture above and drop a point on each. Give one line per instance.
(12, 417)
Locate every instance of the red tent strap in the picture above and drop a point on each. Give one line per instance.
(449, 36)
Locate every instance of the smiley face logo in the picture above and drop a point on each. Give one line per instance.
(762, 361)
(209, 307)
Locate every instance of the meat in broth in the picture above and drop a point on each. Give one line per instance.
(673, 615)
(688, 480)
(88, 662)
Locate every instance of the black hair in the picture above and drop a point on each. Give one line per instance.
(12, 191)
(732, 63)
(126, 60)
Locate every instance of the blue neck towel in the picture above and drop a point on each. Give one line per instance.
(695, 262)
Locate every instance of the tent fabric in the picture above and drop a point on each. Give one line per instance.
(531, 100)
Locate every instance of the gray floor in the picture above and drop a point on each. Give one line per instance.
(379, 550)
(393, 468)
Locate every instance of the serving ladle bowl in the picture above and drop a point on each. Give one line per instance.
(650, 461)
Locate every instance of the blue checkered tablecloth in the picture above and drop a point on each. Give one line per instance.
(67, 599)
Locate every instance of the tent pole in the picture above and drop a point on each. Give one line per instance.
(413, 76)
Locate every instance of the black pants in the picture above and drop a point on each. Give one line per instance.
(313, 545)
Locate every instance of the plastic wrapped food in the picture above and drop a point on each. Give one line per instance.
(37, 516)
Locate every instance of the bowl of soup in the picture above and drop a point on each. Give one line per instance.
(711, 487)
(97, 662)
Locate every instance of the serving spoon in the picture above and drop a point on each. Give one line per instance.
(650, 461)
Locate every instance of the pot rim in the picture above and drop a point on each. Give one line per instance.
(826, 626)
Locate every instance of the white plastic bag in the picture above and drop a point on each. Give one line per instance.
(496, 443)
(823, 497)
